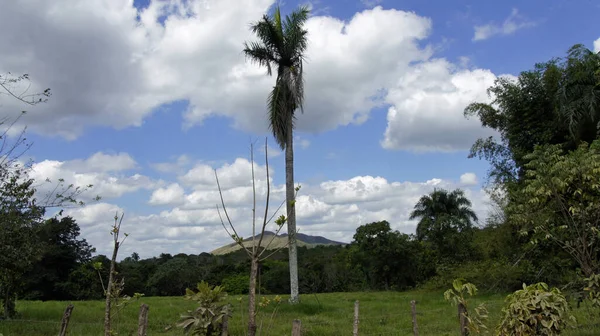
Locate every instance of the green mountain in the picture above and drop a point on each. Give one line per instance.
(277, 242)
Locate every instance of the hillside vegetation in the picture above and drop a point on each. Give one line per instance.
(280, 241)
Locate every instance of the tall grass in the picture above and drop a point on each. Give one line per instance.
(381, 313)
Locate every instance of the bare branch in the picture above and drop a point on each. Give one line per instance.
(237, 236)
(278, 249)
(9, 80)
(254, 247)
(272, 239)
(268, 195)
(234, 237)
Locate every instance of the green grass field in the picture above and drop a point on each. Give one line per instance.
(381, 313)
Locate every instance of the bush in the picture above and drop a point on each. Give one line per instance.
(534, 310)
(237, 284)
(207, 318)
(497, 275)
(476, 317)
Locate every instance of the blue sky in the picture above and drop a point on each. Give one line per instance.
(140, 84)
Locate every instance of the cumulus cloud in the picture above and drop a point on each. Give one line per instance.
(428, 104)
(101, 162)
(468, 179)
(191, 224)
(107, 67)
(597, 45)
(172, 194)
(104, 171)
(512, 24)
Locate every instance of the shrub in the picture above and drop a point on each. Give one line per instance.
(476, 318)
(207, 319)
(534, 310)
(593, 289)
(236, 284)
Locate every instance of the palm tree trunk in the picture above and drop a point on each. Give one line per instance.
(290, 194)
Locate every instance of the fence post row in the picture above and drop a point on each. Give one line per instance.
(296, 328)
(65, 320)
(143, 320)
(413, 306)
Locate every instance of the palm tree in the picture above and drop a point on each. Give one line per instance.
(442, 212)
(282, 45)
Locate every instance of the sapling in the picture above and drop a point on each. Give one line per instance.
(256, 252)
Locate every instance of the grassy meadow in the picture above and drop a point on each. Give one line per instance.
(381, 313)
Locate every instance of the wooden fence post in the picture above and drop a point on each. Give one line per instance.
(462, 312)
(143, 320)
(225, 326)
(297, 328)
(65, 320)
(413, 306)
(355, 330)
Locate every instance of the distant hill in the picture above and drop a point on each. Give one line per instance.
(279, 241)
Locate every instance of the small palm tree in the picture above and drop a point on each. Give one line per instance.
(442, 212)
(282, 45)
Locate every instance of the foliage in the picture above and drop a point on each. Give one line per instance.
(236, 284)
(207, 318)
(535, 310)
(172, 277)
(593, 289)
(560, 201)
(555, 103)
(579, 93)
(282, 45)
(19, 217)
(388, 259)
(21, 206)
(61, 254)
(446, 221)
(476, 319)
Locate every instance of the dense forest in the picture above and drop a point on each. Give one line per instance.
(544, 182)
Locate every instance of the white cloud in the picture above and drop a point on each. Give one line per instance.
(171, 195)
(101, 162)
(191, 223)
(468, 179)
(512, 24)
(105, 68)
(103, 171)
(230, 175)
(597, 45)
(428, 104)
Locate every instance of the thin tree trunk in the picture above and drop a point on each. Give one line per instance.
(290, 194)
(9, 302)
(109, 290)
(252, 297)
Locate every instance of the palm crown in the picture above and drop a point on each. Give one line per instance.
(281, 45)
(442, 210)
